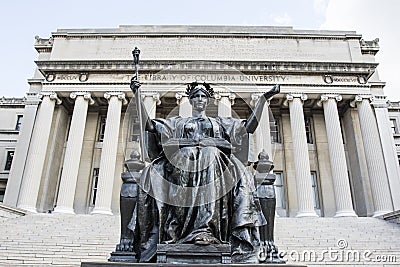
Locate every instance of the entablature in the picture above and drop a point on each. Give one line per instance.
(84, 68)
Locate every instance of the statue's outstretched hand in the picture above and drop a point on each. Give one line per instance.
(135, 84)
(275, 90)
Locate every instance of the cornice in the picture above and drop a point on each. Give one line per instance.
(188, 31)
(204, 35)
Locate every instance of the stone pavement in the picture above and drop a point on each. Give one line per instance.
(68, 240)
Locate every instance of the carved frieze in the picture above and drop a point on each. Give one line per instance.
(151, 66)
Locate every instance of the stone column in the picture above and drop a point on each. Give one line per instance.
(389, 148)
(150, 101)
(262, 133)
(37, 152)
(337, 157)
(301, 157)
(66, 193)
(109, 153)
(373, 154)
(185, 109)
(21, 151)
(224, 101)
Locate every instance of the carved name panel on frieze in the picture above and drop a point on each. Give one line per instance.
(216, 78)
(61, 78)
(172, 78)
(333, 79)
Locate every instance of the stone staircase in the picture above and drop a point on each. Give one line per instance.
(68, 240)
(7, 212)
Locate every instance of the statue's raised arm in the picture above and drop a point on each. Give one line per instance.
(253, 120)
(135, 87)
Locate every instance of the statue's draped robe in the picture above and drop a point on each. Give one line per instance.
(195, 187)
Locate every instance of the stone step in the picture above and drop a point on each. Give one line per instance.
(68, 240)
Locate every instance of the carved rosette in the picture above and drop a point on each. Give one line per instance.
(120, 95)
(86, 96)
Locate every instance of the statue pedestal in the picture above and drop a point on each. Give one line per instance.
(194, 254)
(123, 256)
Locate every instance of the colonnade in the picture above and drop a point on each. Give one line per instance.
(376, 155)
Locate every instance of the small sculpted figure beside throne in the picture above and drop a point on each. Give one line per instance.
(197, 189)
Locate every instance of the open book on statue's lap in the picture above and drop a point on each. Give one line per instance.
(177, 143)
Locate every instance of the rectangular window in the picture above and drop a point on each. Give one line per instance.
(315, 190)
(280, 191)
(102, 128)
(393, 126)
(9, 159)
(309, 133)
(19, 122)
(95, 181)
(275, 131)
(2, 193)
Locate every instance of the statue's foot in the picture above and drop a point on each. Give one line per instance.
(205, 239)
(125, 244)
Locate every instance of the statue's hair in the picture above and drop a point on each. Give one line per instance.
(207, 89)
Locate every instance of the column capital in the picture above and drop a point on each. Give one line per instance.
(291, 96)
(380, 101)
(326, 97)
(52, 96)
(154, 95)
(120, 95)
(255, 97)
(86, 96)
(231, 96)
(359, 98)
(179, 96)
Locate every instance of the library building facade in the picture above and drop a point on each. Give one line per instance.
(330, 132)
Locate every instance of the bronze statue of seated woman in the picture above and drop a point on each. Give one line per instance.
(197, 190)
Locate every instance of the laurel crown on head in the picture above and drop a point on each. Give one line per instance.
(194, 87)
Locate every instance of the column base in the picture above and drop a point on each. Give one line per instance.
(64, 210)
(102, 211)
(27, 208)
(380, 213)
(302, 214)
(345, 213)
